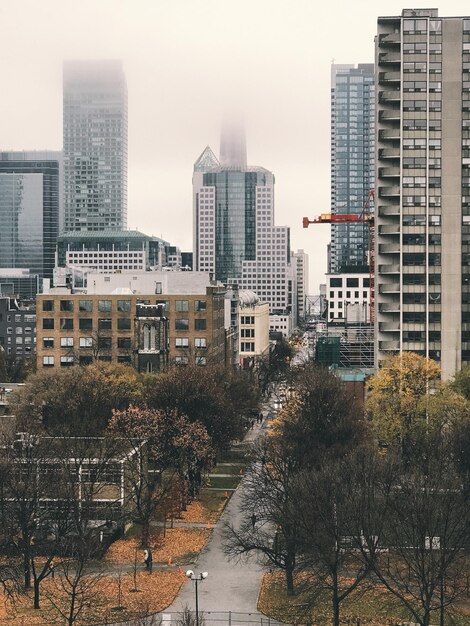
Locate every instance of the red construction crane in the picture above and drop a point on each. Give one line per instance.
(365, 216)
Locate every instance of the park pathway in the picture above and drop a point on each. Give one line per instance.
(230, 585)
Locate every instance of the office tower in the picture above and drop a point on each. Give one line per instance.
(95, 145)
(352, 162)
(29, 210)
(235, 238)
(300, 259)
(422, 196)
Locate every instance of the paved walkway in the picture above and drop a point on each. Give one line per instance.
(230, 585)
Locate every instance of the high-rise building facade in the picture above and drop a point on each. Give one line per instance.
(29, 210)
(95, 145)
(423, 187)
(352, 162)
(235, 238)
(300, 260)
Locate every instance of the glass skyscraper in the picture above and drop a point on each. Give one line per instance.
(29, 210)
(352, 162)
(95, 145)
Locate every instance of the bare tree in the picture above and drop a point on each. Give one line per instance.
(270, 527)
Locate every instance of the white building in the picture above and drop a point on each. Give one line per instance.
(348, 297)
(254, 325)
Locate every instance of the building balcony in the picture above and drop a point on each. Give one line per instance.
(392, 191)
(389, 345)
(389, 58)
(389, 172)
(389, 153)
(389, 134)
(389, 288)
(389, 115)
(389, 268)
(392, 210)
(390, 39)
(389, 248)
(389, 327)
(389, 77)
(390, 95)
(392, 307)
(389, 229)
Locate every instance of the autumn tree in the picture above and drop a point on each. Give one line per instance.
(167, 446)
(397, 399)
(80, 399)
(216, 397)
(321, 418)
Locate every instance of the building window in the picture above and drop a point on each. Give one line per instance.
(200, 343)
(352, 282)
(123, 358)
(105, 324)
(86, 323)
(66, 361)
(199, 324)
(66, 305)
(124, 323)
(66, 323)
(86, 342)
(123, 306)
(165, 304)
(104, 343)
(182, 324)
(201, 360)
(48, 342)
(200, 305)
(48, 324)
(336, 282)
(48, 305)
(85, 306)
(105, 306)
(182, 342)
(124, 343)
(66, 342)
(48, 361)
(181, 306)
(85, 360)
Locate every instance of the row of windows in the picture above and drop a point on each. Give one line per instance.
(339, 294)
(69, 361)
(123, 343)
(248, 346)
(183, 324)
(200, 343)
(86, 323)
(122, 306)
(350, 282)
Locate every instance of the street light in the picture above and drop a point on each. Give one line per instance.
(196, 577)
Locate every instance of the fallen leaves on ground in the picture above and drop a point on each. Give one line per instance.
(176, 543)
(156, 591)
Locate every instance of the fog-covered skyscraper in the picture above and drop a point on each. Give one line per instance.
(29, 210)
(352, 161)
(234, 233)
(95, 145)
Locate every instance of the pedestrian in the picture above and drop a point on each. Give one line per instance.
(148, 558)
(252, 424)
(253, 520)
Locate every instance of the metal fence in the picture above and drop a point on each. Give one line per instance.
(225, 618)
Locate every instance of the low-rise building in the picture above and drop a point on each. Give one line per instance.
(18, 328)
(144, 319)
(254, 327)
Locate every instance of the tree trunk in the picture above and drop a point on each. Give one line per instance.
(335, 601)
(26, 568)
(36, 594)
(290, 581)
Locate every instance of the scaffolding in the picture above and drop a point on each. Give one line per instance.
(357, 347)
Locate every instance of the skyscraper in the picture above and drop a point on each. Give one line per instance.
(234, 233)
(29, 210)
(352, 161)
(422, 195)
(95, 145)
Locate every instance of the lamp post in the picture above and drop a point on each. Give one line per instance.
(196, 577)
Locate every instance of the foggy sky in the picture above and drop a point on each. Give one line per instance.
(187, 62)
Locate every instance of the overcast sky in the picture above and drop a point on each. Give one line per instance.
(186, 62)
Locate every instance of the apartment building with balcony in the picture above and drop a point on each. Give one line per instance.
(423, 187)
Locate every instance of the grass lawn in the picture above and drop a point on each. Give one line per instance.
(372, 606)
(228, 468)
(224, 482)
